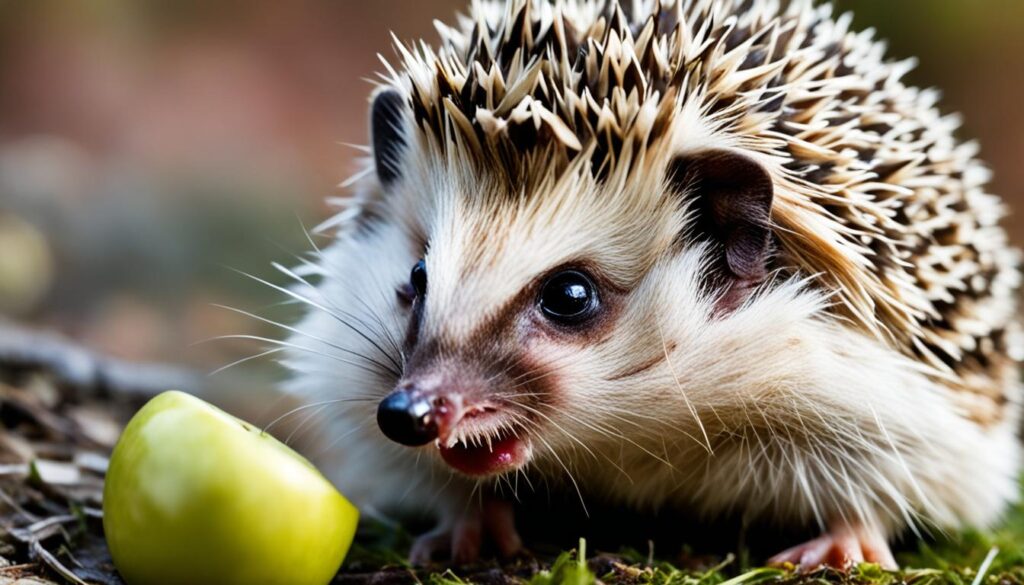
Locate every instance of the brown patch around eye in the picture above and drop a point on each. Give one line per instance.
(595, 330)
(520, 318)
(523, 311)
(535, 383)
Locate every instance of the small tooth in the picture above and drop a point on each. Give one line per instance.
(490, 447)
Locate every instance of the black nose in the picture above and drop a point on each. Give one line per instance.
(405, 418)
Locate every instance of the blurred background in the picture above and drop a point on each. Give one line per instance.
(147, 147)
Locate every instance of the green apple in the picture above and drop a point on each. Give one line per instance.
(196, 496)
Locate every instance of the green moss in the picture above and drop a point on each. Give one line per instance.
(570, 568)
(950, 560)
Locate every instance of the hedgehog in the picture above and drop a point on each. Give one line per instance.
(702, 255)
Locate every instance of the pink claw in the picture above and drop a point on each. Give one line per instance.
(842, 547)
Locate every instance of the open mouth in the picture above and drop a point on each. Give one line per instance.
(479, 449)
(497, 456)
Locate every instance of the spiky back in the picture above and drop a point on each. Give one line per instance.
(873, 193)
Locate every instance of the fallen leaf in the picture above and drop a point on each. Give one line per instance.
(56, 473)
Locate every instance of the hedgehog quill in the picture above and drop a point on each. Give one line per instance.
(711, 255)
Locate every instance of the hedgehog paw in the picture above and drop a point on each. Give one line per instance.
(459, 540)
(841, 548)
(500, 522)
(429, 545)
(462, 537)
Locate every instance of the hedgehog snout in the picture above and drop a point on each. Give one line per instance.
(420, 411)
(407, 416)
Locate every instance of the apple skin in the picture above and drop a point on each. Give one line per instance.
(196, 496)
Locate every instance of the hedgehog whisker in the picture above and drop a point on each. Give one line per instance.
(559, 362)
(322, 271)
(341, 315)
(614, 433)
(682, 392)
(304, 349)
(311, 303)
(561, 429)
(538, 374)
(348, 379)
(381, 328)
(384, 330)
(304, 423)
(246, 359)
(309, 336)
(568, 473)
(321, 404)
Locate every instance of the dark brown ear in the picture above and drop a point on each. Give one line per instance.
(387, 131)
(731, 197)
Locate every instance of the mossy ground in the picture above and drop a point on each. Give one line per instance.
(952, 559)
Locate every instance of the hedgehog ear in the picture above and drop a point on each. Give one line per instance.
(387, 132)
(731, 197)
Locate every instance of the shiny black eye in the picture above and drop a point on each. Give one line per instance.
(418, 278)
(569, 298)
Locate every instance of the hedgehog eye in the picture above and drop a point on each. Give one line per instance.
(569, 298)
(418, 278)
